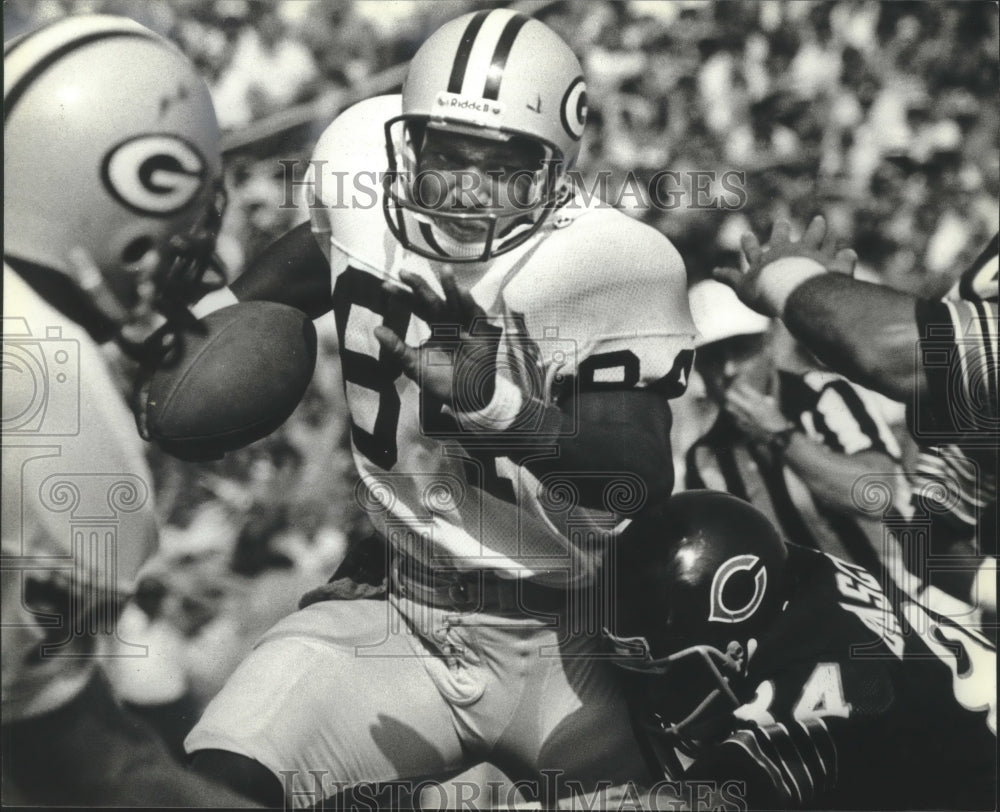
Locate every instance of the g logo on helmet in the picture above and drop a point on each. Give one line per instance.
(749, 600)
(154, 175)
(573, 110)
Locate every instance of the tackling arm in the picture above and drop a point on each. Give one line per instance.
(886, 340)
(929, 354)
(292, 270)
(625, 431)
(866, 332)
(831, 474)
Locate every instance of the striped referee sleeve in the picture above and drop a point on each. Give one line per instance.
(846, 424)
(975, 325)
(947, 481)
(959, 362)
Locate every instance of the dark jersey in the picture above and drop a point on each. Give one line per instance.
(864, 700)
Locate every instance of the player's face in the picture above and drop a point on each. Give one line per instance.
(464, 174)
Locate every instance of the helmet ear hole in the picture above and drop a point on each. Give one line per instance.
(532, 151)
(137, 249)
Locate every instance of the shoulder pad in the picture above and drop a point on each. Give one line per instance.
(357, 136)
(600, 240)
(346, 172)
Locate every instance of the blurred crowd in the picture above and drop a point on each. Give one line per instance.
(883, 116)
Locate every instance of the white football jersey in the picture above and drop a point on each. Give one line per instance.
(77, 493)
(603, 300)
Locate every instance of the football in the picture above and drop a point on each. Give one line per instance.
(233, 384)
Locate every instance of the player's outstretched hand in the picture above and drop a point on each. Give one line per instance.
(458, 363)
(774, 271)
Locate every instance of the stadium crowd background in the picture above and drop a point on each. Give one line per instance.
(883, 116)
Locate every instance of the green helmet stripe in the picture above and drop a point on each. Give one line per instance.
(500, 55)
(461, 62)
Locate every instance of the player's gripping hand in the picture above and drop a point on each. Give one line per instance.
(458, 364)
(757, 414)
(772, 273)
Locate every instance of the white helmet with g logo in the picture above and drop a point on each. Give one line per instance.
(495, 75)
(111, 151)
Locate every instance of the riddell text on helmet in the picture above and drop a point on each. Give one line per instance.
(454, 101)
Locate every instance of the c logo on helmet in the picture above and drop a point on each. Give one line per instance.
(751, 564)
(573, 110)
(154, 175)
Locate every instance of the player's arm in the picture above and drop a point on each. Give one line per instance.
(848, 442)
(292, 270)
(773, 766)
(831, 474)
(864, 331)
(867, 332)
(917, 351)
(612, 432)
(599, 427)
(594, 431)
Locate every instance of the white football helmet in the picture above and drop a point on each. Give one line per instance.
(112, 167)
(719, 314)
(497, 75)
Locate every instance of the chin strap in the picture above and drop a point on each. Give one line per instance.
(88, 277)
(161, 347)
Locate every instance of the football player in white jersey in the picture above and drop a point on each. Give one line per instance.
(112, 177)
(509, 353)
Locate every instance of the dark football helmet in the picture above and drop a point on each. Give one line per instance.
(697, 579)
